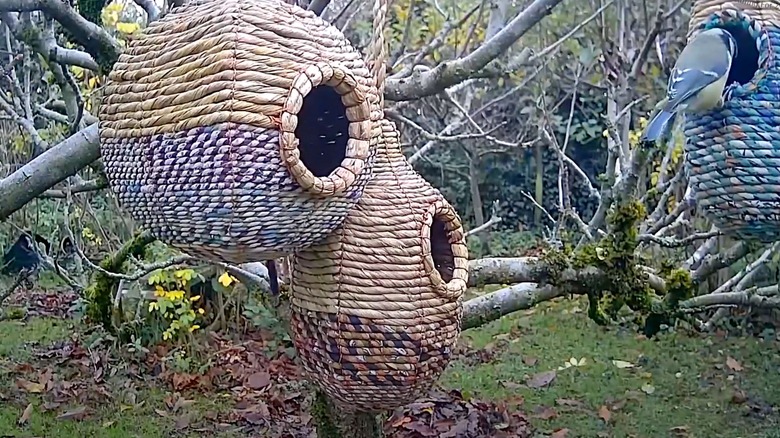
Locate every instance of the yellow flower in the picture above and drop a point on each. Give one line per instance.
(175, 295)
(226, 279)
(159, 291)
(195, 298)
(194, 327)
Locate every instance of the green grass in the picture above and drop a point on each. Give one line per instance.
(16, 337)
(693, 386)
(109, 421)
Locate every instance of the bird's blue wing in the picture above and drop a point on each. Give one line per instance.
(683, 83)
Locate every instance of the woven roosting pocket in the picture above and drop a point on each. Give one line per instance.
(238, 130)
(763, 11)
(733, 152)
(376, 307)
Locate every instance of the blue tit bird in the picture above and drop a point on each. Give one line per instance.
(697, 81)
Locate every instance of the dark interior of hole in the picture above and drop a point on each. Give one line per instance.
(744, 66)
(441, 250)
(322, 131)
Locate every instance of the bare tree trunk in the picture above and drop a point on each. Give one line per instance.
(476, 202)
(334, 423)
(539, 195)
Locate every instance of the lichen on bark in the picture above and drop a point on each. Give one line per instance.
(622, 281)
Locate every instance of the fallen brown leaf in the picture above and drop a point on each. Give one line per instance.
(560, 433)
(605, 414)
(74, 414)
(26, 415)
(460, 429)
(401, 421)
(733, 364)
(421, 428)
(255, 418)
(541, 380)
(258, 380)
(739, 397)
(182, 422)
(569, 402)
(31, 387)
(544, 412)
(510, 385)
(530, 361)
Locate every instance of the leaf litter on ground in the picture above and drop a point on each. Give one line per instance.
(264, 388)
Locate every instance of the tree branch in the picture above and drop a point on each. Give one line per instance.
(449, 73)
(495, 219)
(86, 186)
(48, 169)
(490, 307)
(102, 46)
(318, 6)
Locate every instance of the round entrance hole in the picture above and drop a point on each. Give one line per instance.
(444, 251)
(325, 129)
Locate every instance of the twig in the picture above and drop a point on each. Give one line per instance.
(86, 186)
(669, 242)
(536, 204)
(715, 263)
(452, 72)
(742, 280)
(437, 137)
(554, 46)
(550, 139)
(95, 39)
(731, 299)
(494, 220)
(151, 9)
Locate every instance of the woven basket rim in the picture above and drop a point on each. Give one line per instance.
(453, 289)
(354, 96)
(763, 44)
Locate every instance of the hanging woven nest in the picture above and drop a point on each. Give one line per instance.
(733, 152)
(376, 307)
(763, 11)
(238, 130)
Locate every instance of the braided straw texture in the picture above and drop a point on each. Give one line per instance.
(378, 55)
(376, 307)
(733, 153)
(766, 12)
(198, 128)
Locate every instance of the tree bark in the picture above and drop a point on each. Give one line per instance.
(48, 169)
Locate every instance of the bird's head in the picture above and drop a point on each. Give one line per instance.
(728, 39)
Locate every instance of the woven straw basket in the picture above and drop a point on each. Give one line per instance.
(238, 130)
(766, 12)
(733, 152)
(376, 307)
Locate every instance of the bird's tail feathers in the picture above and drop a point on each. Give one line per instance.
(660, 126)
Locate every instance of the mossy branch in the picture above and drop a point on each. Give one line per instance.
(99, 291)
